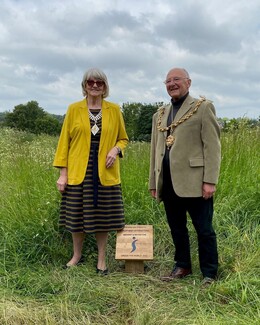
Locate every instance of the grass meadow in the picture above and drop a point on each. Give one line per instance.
(34, 289)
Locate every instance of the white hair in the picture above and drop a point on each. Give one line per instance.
(98, 74)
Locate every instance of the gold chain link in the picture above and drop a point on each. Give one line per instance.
(173, 125)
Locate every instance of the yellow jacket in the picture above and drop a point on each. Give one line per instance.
(74, 142)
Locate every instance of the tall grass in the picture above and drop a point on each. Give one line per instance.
(35, 290)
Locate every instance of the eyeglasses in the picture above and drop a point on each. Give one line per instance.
(99, 83)
(176, 79)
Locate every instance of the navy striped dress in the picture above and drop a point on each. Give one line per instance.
(90, 207)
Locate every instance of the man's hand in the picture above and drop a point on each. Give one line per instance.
(208, 190)
(153, 193)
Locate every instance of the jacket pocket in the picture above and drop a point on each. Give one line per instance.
(196, 162)
(112, 173)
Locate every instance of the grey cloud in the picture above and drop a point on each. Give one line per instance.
(45, 47)
(196, 31)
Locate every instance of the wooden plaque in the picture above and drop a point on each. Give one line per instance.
(135, 242)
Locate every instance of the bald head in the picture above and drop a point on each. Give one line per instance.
(181, 71)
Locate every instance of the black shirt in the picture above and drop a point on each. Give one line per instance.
(174, 109)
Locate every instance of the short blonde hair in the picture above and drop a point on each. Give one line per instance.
(98, 74)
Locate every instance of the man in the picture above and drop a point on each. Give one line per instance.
(184, 169)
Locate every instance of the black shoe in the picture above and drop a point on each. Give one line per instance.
(80, 262)
(102, 272)
(207, 281)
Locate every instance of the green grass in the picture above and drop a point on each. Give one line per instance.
(34, 289)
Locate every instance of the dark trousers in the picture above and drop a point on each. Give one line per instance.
(201, 213)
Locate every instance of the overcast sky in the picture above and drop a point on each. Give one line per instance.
(47, 45)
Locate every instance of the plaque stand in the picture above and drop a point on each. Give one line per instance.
(135, 245)
(134, 266)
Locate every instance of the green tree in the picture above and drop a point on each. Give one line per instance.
(32, 118)
(131, 112)
(47, 124)
(2, 116)
(230, 125)
(144, 122)
(138, 120)
(24, 116)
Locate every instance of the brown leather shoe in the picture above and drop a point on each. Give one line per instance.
(177, 273)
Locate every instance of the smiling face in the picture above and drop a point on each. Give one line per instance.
(95, 83)
(177, 83)
(95, 87)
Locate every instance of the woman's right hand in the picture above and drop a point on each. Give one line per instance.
(62, 183)
(63, 180)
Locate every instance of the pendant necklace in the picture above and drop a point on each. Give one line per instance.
(94, 118)
(170, 139)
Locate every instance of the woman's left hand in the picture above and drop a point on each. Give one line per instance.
(111, 157)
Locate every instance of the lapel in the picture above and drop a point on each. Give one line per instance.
(106, 112)
(83, 111)
(83, 108)
(164, 122)
(185, 107)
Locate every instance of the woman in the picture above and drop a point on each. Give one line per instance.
(92, 139)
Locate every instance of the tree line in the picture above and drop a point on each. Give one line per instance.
(30, 117)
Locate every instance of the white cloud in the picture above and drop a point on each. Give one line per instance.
(46, 46)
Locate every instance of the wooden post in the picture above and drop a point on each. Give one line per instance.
(135, 245)
(134, 266)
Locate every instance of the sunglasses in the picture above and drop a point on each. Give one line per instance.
(99, 83)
